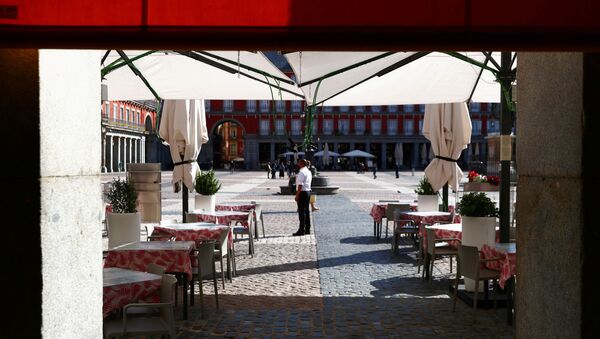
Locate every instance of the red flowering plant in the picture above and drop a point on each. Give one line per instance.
(491, 179)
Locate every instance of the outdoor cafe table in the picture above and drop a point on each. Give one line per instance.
(240, 206)
(507, 268)
(379, 209)
(195, 231)
(220, 217)
(174, 256)
(121, 287)
(428, 217)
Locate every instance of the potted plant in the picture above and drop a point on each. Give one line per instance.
(478, 213)
(206, 185)
(123, 222)
(427, 197)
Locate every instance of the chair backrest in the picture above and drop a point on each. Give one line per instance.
(206, 258)
(155, 269)
(167, 288)
(257, 210)
(430, 235)
(393, 210)
(468, 257)
(224, 246)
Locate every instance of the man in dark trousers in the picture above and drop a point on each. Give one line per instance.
(303, 181)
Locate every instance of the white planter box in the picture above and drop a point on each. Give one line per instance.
(428, 203)
(477, 231)
(123, 228)
(205, 202)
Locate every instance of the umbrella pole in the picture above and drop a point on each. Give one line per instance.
(184, 202)
(445, 198)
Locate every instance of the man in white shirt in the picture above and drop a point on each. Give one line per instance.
(303, 181)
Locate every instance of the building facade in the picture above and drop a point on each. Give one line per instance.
(127, 134)
(257, 131)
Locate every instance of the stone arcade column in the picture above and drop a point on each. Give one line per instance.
(118, 153)
(53, 99)
(109, 168)
(143, 150)
(104, 154)
(383, 157)
(557, 228)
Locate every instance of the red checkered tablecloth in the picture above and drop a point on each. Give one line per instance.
(174, 256)
(232, 206)
(379, 209)
(220, 217)
(122, 287)
(194, 232)
(507, 266)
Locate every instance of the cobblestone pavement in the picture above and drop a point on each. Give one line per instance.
(338, 281)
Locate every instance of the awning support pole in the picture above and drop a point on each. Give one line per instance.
(506, 78)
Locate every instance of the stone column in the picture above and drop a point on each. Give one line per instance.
(109, 168)
(415, 155)
(143, 150)
(135, 150)
(118, 154)
(272, 152)
(52, 97)
(104, 153)
(557, 229)
(125, 153)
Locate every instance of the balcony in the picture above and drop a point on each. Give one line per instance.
(123, 124)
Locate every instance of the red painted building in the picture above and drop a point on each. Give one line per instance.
(257, 131)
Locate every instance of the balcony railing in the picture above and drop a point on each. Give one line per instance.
(123, 124)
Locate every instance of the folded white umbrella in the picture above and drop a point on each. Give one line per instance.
(183, 127)
(448, 127)
(326, 154)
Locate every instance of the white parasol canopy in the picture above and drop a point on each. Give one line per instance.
(399, 154)
(448, 127)
(358, 154)
(176, 76)
(183, 127)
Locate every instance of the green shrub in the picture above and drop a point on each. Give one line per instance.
(207, 183)
(477, 205)
(122, 196)
(424, 187)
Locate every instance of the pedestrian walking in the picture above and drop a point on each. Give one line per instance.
(374, 171)
(303, 182)
(268, 170)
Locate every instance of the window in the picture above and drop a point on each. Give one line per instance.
(376, 109)
(393, 108)
(233, 132)
(476, 126)
(409, 108)
(251, 106)
(344, 126)
(296, 106)
(376, 126)
(359, 109)
(296, 127)
(207, 105)
(233, 149)
(280, 106)
(121, 113)
(493, 126)
(280, 127)
(421, 126)
(127, 116)
(392, 127)
(327, 126)
(264, 106)
(115, 110)
(228, 105)
(475, 107)
(265, 126)
(359, 126)
(408, 126)
(344, 109)
(107, 109)
(328, 109)
(315, 127)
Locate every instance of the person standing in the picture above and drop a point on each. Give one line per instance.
(303, 181)
(268, 170)
(374, 171)
(273, 169)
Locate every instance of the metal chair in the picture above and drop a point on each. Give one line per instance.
(205, 269)
(470, 265)
(438, 247)
(389, 214)
(241, 229)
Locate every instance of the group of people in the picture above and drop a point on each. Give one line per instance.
(282, 167)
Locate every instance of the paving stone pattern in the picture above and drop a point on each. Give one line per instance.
(337, 282)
